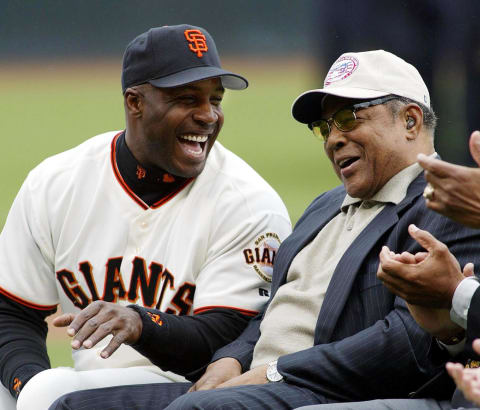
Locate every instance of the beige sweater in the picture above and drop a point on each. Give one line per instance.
(290, 320)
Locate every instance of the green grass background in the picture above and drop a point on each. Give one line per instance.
(47, 108)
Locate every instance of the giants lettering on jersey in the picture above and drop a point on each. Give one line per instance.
(152, 284)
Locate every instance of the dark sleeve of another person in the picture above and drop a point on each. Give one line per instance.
(23, 351)
(473, 325)
(185, 344)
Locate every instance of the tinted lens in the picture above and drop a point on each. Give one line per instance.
(321, 129)
(344, 120)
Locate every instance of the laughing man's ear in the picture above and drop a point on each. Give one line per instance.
(133, 102)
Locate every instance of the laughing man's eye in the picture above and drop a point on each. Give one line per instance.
(186, 98)
(216, 100)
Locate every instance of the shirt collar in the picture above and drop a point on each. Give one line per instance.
(150, 185)
(394, 190)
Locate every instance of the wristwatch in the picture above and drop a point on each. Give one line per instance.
(272, 373)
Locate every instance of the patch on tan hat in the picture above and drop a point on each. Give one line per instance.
(341, 69)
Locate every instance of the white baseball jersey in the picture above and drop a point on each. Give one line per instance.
(77, 233)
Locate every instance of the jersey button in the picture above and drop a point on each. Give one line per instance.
(143, 224)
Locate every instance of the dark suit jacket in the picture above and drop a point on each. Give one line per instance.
(473, 332)
(473, 325)
(366, 343)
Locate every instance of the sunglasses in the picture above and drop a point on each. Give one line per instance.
(344, 119)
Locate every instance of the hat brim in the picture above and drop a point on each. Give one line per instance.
(308, 106)
(229, 80)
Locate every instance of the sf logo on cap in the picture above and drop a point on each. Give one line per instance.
(197, 40)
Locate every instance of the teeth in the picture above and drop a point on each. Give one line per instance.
(196, 138)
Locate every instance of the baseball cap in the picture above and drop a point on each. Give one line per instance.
(171, 56)
(369, 74)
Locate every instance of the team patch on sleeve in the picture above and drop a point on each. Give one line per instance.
(17, 385)
(261, 255)
(155, 318)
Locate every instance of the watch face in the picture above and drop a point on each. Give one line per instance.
(272, 373)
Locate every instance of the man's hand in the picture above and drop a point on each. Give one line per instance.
(467, 380)
(427, 280)
(253, 376)
(457, 188)
(217, 373)
(437, 322)
(99, 320)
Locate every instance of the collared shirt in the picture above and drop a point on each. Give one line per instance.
(290, 320)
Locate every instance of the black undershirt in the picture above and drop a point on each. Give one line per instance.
(149, 184)
(182, 344)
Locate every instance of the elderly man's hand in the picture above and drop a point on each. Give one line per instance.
(253, 376)
(456, 188)
(217, 373)
(99, 320)
(226, 372)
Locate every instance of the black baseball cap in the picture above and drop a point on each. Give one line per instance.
(171, 56)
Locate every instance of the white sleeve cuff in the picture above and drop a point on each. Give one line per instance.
(461, 300)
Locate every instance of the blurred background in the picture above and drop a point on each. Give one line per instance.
(60, 65)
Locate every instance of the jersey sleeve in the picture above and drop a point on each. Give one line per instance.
(23, 352)
(242, 243)
(188, 342)
(26, 251)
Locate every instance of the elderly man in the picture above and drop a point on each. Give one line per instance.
(332, 332)
(159, 216)
(443, 299)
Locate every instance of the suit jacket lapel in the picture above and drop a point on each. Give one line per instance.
(343, 277)
(307, 228)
